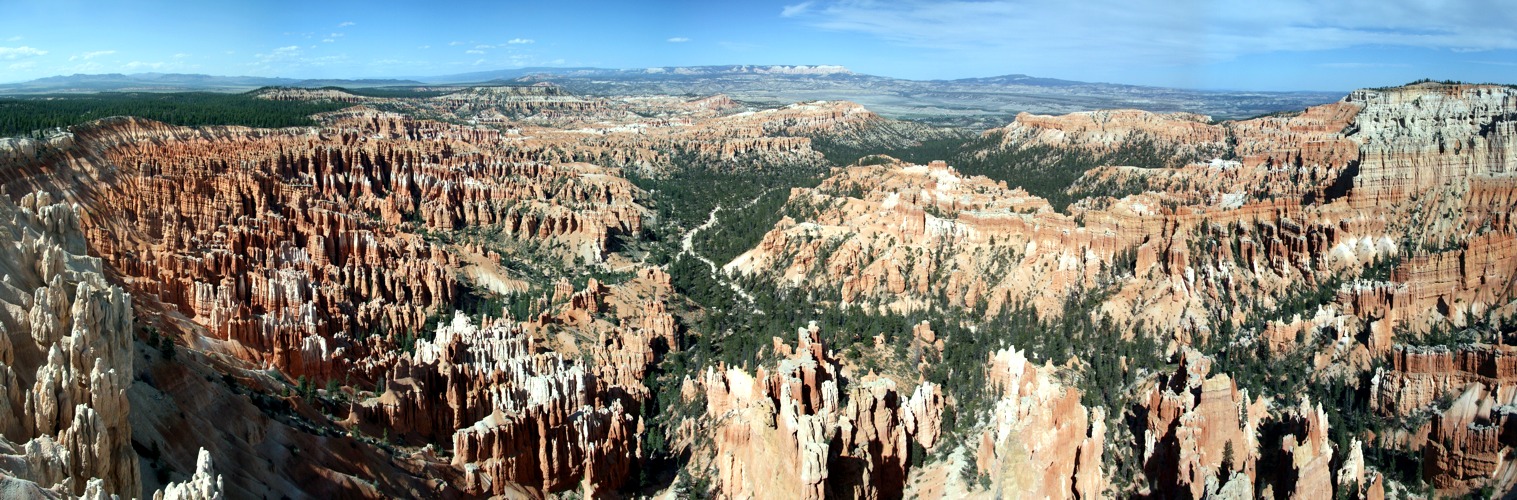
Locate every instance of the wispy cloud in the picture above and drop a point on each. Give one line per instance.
(520, 41)
(1164, 32)
(678, 39)
(91, 55)
(345, 24)
(795, 10)
(22, 65)
(16, 38)
(483, 47)
(327, 40)
(279, 55)
(474, 51)
(11, 53)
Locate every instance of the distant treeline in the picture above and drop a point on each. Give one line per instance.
(22, 115)
(1442, 82)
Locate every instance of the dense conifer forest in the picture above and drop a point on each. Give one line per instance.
(23, 115)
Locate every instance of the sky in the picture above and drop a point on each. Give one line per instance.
(1208, 44)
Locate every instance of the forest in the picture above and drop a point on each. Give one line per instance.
(24, 115)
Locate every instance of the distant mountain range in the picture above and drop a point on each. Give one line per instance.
(177, 82)
(973, 102)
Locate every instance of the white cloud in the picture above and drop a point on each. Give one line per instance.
(483, 47)
(678, 39)
(1160, 32)
(519, 41)
(455, 44)
(279, 55)
(475, 52)
(22, 65)
(795, 10)
(424, 47)
(327, 40)
(181, 55)
(345, 24)
(20, 52)
(91, 55)
(16, 38)
(478, 62)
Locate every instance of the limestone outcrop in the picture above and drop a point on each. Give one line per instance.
(1041, 441)
(204, 485)
(805, 431)
(66, 358)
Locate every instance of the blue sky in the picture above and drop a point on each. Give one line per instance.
(1273, 45)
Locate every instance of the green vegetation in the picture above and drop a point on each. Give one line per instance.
(685, 198)
(840, 153)
(1049, 171)
(742, 227)
(163, 343)
(21, 115)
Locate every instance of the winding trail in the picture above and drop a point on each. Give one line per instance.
(687, 246)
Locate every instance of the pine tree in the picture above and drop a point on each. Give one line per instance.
(1227, 460)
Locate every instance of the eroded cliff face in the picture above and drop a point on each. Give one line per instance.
(1327, 240)
(1190, 133)
(805, 430)
(322, 252)
(294, 247)
(515, 416)
(1305, 200)
(66, 359)
(1385, 212)
(1204, 437)
(1040, 441)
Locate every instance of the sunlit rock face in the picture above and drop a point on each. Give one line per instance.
(1040, 438)
(800, 429)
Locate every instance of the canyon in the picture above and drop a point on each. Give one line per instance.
(524, 291)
